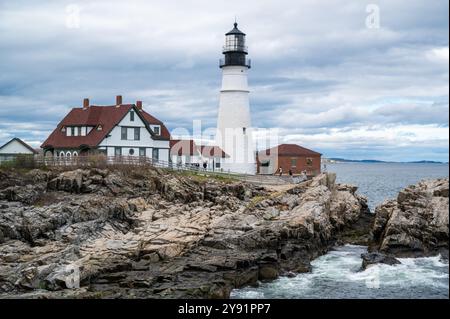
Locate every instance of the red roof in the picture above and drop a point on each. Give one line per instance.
(105, 116)
(212, 151)
(183, 147)
(289, 150)
(165, 134)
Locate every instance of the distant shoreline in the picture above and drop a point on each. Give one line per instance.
(341, 160)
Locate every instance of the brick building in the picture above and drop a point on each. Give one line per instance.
(289, 157)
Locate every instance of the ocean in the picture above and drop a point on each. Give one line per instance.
(337, 274)
(381, 181)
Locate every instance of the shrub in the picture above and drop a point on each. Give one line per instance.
(27, 161)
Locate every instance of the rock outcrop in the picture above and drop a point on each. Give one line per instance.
(147, 233)
(378, 258)
(416, 223)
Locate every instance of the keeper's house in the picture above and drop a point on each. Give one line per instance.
(10, 150)
(114, 130)
(289, 157)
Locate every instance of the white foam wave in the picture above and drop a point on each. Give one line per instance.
(338, 274)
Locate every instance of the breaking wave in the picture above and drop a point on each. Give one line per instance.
(338, 275)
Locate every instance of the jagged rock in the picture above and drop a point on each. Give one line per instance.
(414, 224)
(378, 258)
(271, 213)
(27, 194)
(71, 181)
(153, 234)
(268, 272)
(328, 180)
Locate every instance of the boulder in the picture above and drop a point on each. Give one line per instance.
(271, 213)
(70, 181)
(414, 224)
(378, 258)
(268, 272)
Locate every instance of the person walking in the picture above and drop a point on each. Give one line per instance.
(205, 165)
(280, 171)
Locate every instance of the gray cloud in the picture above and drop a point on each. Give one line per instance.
(317, 70)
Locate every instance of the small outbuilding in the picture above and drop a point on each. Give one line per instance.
(10, 150)
(290, 157)
(188, 153)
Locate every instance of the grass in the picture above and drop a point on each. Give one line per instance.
(25, 163)
(258, 199)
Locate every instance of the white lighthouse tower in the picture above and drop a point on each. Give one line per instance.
(234, 127)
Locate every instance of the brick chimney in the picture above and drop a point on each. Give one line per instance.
(118, 100)
(85, 104)
(139, 105)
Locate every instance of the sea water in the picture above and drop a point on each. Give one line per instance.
(338, 274)
(381, 181)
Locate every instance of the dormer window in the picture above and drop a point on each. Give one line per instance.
(156, 130)
(131, 116)
(63, 129)
(99, 127)
(72, 130)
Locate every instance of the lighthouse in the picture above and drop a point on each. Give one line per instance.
(234, 127)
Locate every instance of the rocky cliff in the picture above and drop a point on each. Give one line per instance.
(147, 233)
(415, 223)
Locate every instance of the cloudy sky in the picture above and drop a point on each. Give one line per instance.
(329, 75)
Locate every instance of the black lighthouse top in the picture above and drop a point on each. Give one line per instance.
(235, 50)
(235, 30)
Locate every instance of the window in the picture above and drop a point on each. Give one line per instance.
(309, 161)
(78, 130)
(118, 151)
(293, 162)
(72, 130)
(155, 154)
(137, 133)
(142, 151)
(156, 130)
(265, 163)
(132, 116)
(123, 134)
(99, 128)
(75, 154)
(217, 164)
(131, 151)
